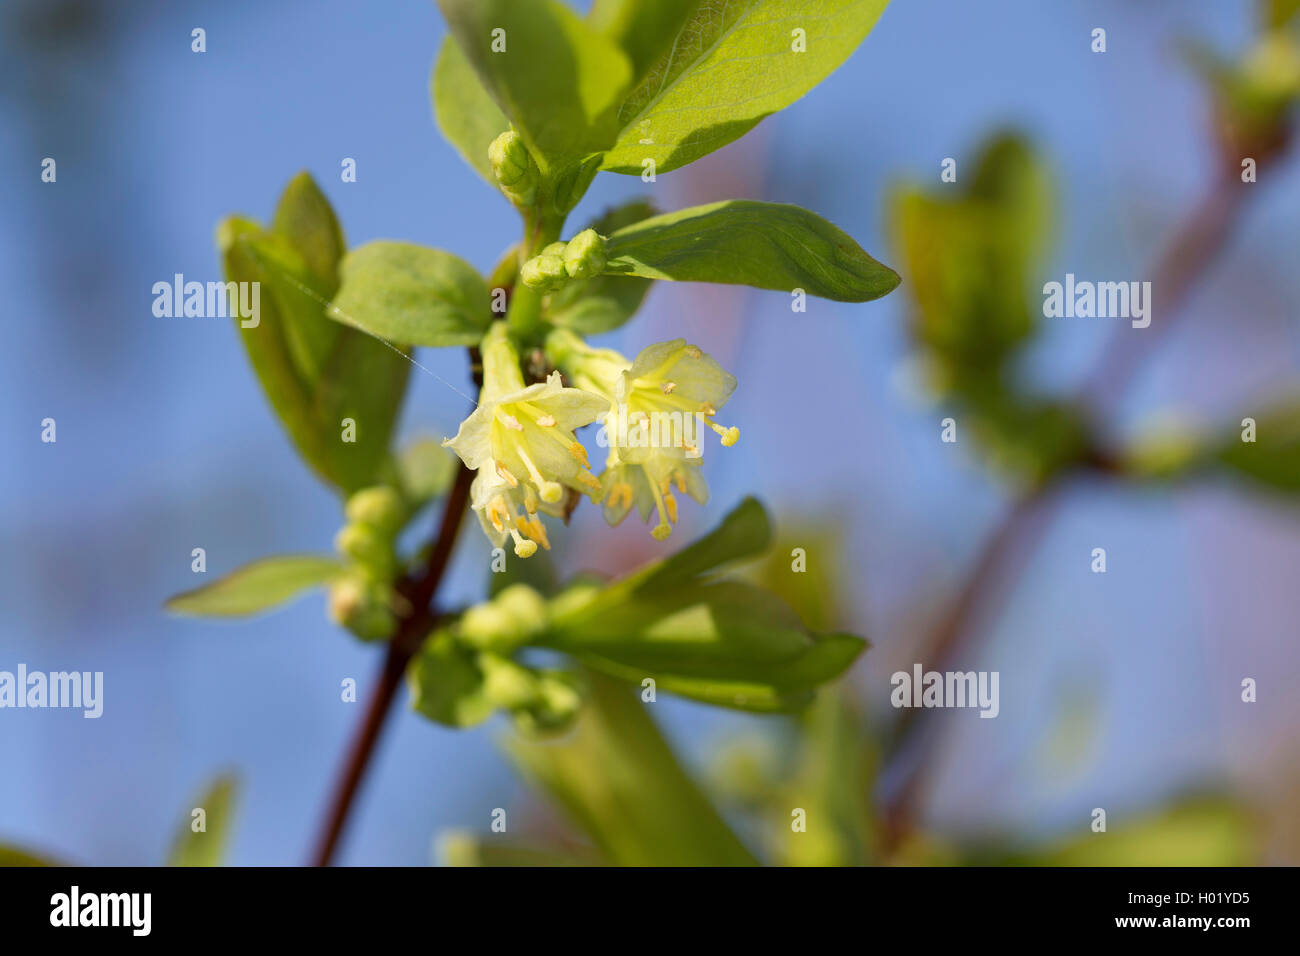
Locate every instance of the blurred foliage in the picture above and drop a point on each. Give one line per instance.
(627, 800)
(209, 846)
(973, 250)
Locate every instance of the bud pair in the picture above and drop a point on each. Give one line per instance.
(581, 257)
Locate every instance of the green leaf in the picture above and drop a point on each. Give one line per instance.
(617, 780)
(972, 256)
(764, 245)
(426, 470)
(644, 31)
(13, 856)
(1273, 458)
(209, 847)
(833, 781)
(315, 372)
(602, 303)
(257, 587)
(743, 532)
(558, 81)
(412, 295)
(466, 114)
(724, 643)
(305, 218)
(446, 683)
(731, 63)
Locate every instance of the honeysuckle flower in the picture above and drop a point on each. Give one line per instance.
(668, 385)
(649, 488)
(650, 427)
(520, 441)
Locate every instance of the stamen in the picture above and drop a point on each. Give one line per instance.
(671, 504)
(550, 491)
(668, 387)
(504, 472)
(524, 548)
(546, 421)
(580, 453)
(729, 435)
(509, 421)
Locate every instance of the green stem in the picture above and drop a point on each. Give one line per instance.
(524, 317)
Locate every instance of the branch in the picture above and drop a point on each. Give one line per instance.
(411, 631)
(954, 635)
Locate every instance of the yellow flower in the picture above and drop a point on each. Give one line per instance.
(520, 441)
(667, 392)
(658, 405)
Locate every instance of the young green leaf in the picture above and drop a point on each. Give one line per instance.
(602, 303)
(466, 114)
(731, 63)
(336, 389)
(557, 80)
(257, 587)
(618, 781)
(645, 31)
(207, 846)
(725, 643)
(446, 683)
(305, 218)
(412, 295)
(760, 244)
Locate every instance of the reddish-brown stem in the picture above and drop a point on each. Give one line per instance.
(419, 591)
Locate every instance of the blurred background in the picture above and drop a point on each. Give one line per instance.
(1119, 690)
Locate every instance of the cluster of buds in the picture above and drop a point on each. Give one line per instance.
(537, 700)
(363, 599)
(581, 257)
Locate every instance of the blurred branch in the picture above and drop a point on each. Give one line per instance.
(954, 635)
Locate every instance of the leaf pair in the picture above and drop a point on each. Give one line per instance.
(721, 641)
(336, 390)
(665, 82)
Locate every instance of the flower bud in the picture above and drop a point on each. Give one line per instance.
(556, 708)
(584, 255)
(514, 168)
(507, 685)
(358, 605)
(506, 622)
(545, 271)
(381, 507)
(368, 547)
